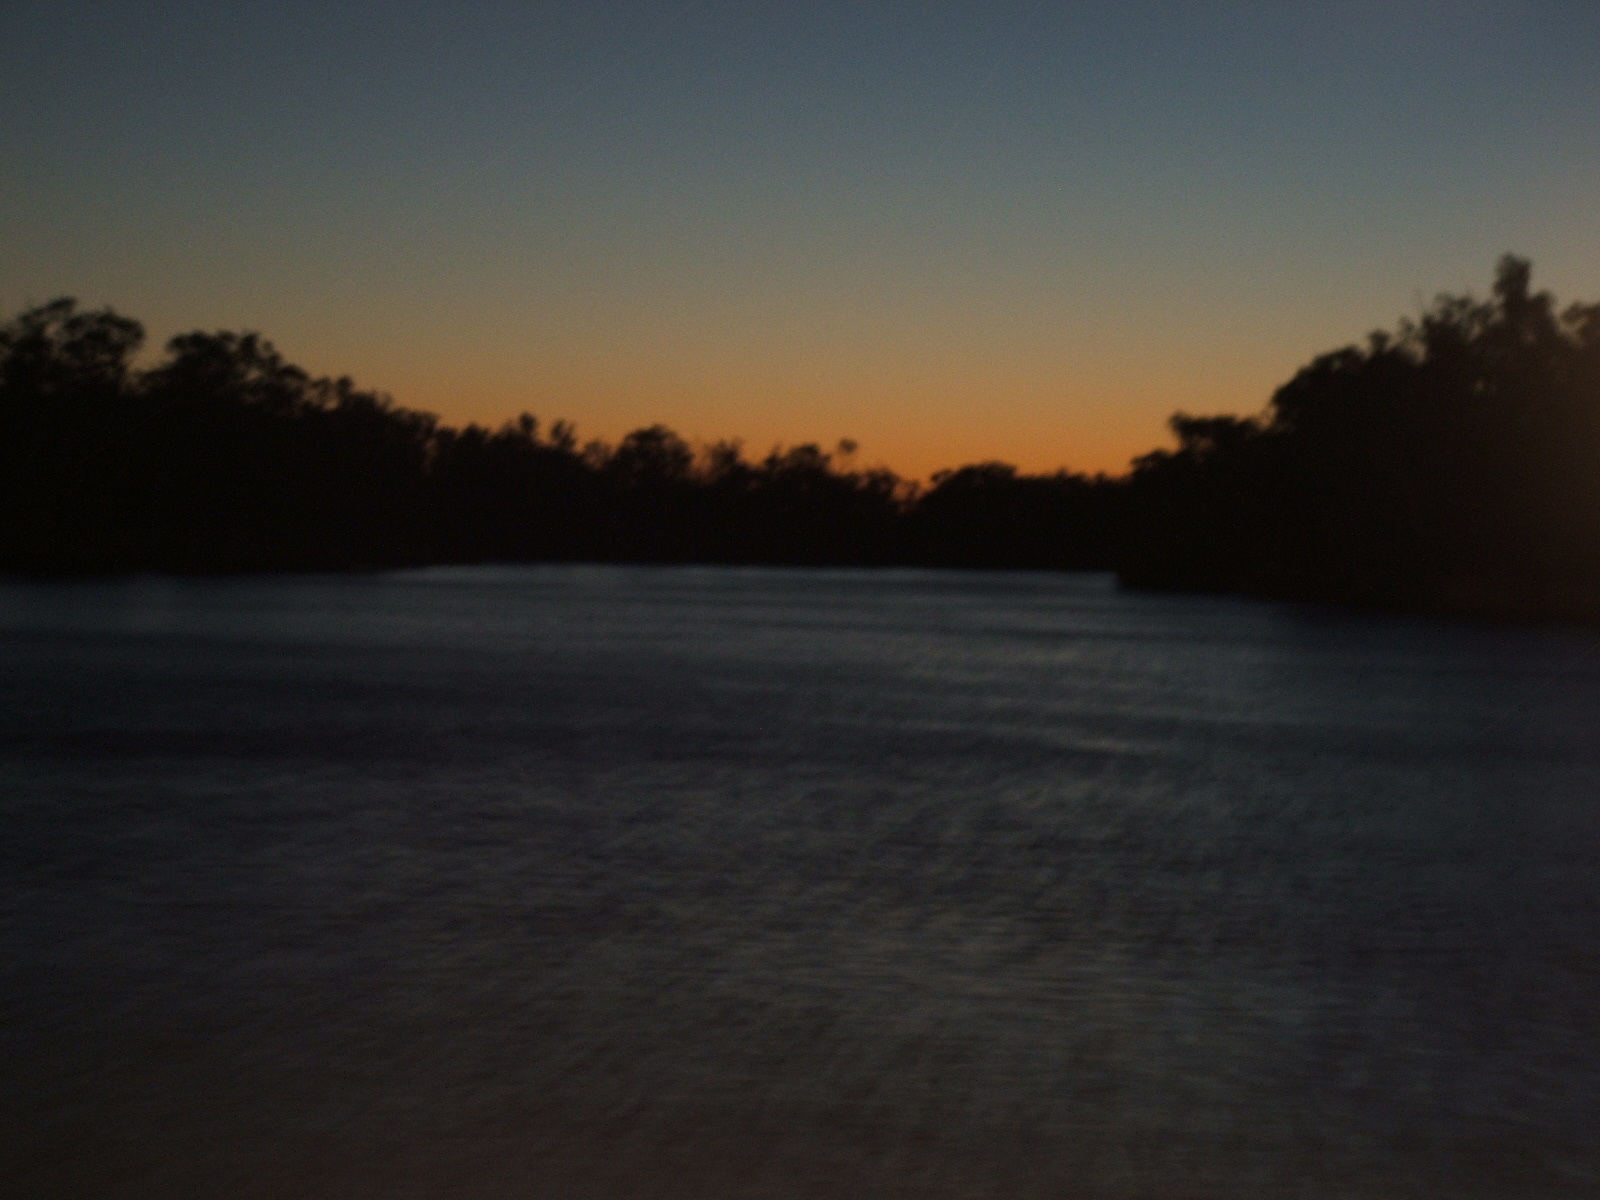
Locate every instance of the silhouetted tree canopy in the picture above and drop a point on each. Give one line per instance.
(1452, 464)
(224, 457)
(1449, 465)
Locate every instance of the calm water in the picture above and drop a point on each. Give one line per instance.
(584, 882)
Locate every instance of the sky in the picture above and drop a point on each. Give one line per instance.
(950, 232)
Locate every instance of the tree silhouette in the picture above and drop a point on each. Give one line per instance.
(1452, 464)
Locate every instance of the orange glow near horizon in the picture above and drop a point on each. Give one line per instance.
(916, 412)
(1015, 232)
(914, 430)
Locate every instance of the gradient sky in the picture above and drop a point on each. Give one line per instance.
(952, 232)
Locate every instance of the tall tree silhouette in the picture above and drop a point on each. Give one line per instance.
(1453, 464)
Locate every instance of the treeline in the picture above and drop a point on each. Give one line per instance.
(1452, 464)
(223, 457)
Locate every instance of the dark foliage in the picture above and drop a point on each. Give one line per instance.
(1448, 466)
(1453, 465)
(987, 515)
(223, 457)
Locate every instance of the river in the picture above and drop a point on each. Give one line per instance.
(594, 882)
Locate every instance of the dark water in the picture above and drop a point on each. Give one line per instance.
(582, 882)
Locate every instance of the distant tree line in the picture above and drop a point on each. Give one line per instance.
(1451, 465)
(222, 457)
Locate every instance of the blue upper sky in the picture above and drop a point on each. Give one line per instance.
(950, 231)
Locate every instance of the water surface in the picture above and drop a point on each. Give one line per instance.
(609, 882)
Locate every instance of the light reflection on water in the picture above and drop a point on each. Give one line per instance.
(594, 882)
